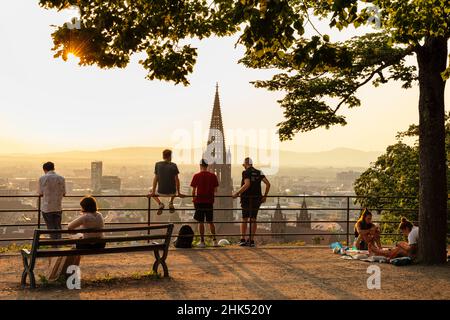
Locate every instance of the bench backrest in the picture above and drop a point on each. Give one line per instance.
(142, 241)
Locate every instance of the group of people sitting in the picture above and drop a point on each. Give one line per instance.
(367, 236)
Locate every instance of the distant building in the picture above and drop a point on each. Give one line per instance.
(33, 185)
(299, 231)
(277, 226)
(220, 164)
(347, 179)
(110, 183)
(304, 216)
(96, 176)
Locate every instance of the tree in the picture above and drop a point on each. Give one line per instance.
(393, 180)
(313, 69)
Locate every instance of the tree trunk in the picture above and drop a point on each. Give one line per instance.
(432, 60)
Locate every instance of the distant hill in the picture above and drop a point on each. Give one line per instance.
(340, 157)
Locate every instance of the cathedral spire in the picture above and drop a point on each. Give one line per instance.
(216, 118)
(216, 137)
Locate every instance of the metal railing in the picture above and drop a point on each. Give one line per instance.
(349, 205)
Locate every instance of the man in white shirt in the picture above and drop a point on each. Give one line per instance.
(52, 189)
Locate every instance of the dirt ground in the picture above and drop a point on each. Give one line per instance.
(233, 273)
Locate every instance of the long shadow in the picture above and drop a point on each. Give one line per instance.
(319, 282)
(199, 260)
(256, 285)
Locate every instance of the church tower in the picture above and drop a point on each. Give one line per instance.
(219, 159)
(305, 217)
(279, 227)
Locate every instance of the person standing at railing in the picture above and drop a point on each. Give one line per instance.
(52, 189)
(251, 199)
(204, 186)
(166, 182)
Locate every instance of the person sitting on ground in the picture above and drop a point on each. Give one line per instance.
(204, 186)
(410, 248)
(366, 232)
(402, 249)
(90, 219)
(166, 182)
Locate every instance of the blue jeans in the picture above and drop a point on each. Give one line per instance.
(53, 222)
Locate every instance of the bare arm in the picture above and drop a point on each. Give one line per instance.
(78, 222)
(266, 192)
(155, 183)
(242, 189)
(64, 187)
(177, 184)
(194, 192)
(40, 191)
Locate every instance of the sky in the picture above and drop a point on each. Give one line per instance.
(48, 105)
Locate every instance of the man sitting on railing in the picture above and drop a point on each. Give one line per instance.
(166, 182)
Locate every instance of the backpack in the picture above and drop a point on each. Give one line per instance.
(185, 237)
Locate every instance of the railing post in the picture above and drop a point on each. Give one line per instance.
(250, 219)
(39, 212)
(149, 213)
(348, 221)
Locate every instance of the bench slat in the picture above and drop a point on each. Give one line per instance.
(155, 227)
(85, 252)
(105, 239)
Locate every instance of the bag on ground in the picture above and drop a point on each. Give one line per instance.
(185, 237)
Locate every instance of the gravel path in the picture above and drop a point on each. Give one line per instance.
(234, 273)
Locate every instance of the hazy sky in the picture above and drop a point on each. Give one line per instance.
(49, 105)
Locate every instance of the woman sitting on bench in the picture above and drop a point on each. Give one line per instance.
(90, 219)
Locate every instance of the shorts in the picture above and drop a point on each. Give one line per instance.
(168, 195)
(250, 208)
(204, 211)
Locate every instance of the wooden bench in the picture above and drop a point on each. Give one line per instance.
(148, 237)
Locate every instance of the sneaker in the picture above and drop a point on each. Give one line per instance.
(252, 244)
(201, 245)
(243, 243)
(215, 243)
(171, 207)
(160, 209)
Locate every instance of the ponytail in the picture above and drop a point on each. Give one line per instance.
(405, 224)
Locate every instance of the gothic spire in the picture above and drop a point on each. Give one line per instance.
(216, 132)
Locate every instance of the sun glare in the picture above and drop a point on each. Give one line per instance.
(72, 58)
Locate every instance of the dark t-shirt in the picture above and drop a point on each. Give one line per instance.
(254, 191)
(166, 172)
(205, 182)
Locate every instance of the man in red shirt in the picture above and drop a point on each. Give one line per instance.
(204, 185)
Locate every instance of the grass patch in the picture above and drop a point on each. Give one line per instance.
(14, 247)
(108, 279)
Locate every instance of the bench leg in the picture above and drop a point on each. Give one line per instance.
(28, 267)
(160, 261)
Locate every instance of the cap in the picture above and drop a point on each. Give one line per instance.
(203, 162)
(248, 161)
